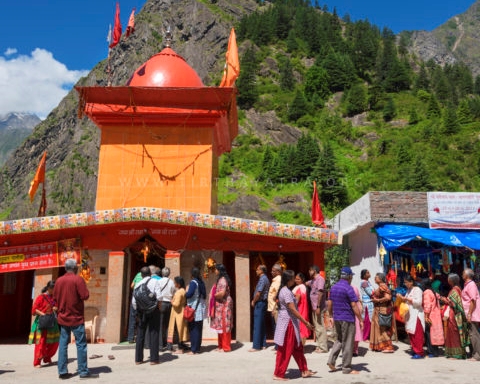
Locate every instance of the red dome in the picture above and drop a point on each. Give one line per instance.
(165, 69)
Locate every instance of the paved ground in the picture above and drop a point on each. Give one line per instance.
(237, 367)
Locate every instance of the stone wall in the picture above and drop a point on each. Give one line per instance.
(399, 207)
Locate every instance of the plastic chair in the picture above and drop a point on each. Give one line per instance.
(91, 316)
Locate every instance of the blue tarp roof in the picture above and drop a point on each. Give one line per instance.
(394, 236)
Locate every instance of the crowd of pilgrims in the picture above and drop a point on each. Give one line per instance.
(440, 318)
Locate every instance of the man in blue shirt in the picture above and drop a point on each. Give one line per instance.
(259, 304)
(342, 305)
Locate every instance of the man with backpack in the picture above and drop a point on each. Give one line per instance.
(146, 296)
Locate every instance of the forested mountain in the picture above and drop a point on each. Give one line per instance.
(321, 98)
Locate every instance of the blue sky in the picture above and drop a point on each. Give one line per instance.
(47, 45)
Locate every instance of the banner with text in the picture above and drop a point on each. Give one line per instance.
(453, 210)
(39, 256)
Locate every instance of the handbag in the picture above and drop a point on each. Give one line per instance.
(385, 320)
(188, 311)
(47, 321)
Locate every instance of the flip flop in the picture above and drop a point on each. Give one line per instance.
(111, 357)
(95, 356)
(308, 373)
(332, 367)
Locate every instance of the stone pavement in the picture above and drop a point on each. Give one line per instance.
(237, 367)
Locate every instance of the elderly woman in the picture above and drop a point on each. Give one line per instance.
(46, 340)
(196, 296)
(366, 292)
(381, 335)
(221, 309)
(287, 331)
(456, 335)
(415, 318)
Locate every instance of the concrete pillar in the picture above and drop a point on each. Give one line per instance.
(172, 261)
(116, 267)
(242, 293)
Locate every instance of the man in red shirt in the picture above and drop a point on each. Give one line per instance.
(70, 292)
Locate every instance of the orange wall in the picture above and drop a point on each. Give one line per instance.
(133, 160)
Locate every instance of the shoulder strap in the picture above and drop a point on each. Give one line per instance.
(165, 285)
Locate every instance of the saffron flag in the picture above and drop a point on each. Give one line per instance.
(232, 65)
(317, 214)
(39, 177)
(131, 24)
(117, 28)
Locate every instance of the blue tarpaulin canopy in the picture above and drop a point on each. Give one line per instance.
(394, 236)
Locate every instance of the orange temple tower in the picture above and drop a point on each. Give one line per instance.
(161, 136)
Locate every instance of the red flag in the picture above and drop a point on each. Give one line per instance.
(38, 178)
(232, 66)
(317, 214)
(131, 24)
(117, 28)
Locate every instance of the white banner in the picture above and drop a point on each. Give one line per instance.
(454, 210)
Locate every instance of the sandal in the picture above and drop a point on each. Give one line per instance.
(111, 357)
(95, 356)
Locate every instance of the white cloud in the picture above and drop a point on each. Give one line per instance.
(35, 83)
(10, 51)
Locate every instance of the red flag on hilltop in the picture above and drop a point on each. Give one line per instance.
(131, 24)
(38, 178)
(232, 66)
(317, 214)
(117, 28)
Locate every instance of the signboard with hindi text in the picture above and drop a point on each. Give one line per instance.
(39, 256)
(453, 210)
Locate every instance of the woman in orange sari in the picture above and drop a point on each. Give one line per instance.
(433, 319)
(46, 340)
(380, 336)
(300, 292)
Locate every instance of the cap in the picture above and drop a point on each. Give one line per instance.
(347, 271)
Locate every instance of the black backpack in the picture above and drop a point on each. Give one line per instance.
(145, 299)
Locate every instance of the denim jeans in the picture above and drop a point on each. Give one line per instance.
(259, 333)
(132, 319)
(81, 343)
(195, 328)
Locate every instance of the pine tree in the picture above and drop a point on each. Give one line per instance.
(476, 86)
(299, 106)
(464, 115)
(413, 116)
(418, 177)
(433, 109)
(329, 177)
(450, 122)
(422, 81)
(268, 164)
(356, 101)
(389, 110)
(316, 82)
(287, 81)
(246, 82)
(307, 152)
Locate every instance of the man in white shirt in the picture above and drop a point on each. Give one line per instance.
(150, 320)
(167, 289)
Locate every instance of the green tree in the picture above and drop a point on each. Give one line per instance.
(268, 164)
(422, 81)
(246, 82)
(418, 177)
(340, 70)
(450, 121)
(299, 106)
(356, 101)
(287, 81)
(413, 116)
(433, 109)
(329, 178)
(316, 82)
(464, 115)
(389, 110)
(307, 152)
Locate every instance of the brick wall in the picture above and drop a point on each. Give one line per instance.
(400, 207)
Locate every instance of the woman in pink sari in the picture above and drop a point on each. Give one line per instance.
(433, 319)
(300, 292)
(221, 309)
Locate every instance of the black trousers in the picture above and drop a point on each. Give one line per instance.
(152, 321)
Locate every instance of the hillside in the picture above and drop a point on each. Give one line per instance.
(320, 98)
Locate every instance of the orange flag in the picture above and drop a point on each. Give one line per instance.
(232, 65)
(131, 24)
(117, 28)
(39, 177)
(317, 214)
